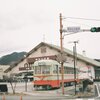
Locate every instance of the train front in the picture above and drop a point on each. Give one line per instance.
(43, 78)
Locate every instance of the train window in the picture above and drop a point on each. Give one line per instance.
(42, 69)
(37, 69)
(45, 69)
(69, 71)
(60, 70)
(65, 70)
(55, 69)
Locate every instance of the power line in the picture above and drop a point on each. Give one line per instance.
(82, 18)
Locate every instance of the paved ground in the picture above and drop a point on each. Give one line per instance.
(42, 97)
(49, 95)
(34, 97)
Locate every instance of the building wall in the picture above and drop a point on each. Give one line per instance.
(47, 51)
(97, 73)
(1, 73)
(86, 70)
(39, 53)
(2, 69)
(16, 69)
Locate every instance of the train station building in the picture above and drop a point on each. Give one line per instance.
(50, 51)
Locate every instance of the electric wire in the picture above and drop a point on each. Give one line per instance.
(82, 18)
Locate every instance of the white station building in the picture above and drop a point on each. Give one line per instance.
(50, 51)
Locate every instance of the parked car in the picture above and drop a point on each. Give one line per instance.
(3, 88)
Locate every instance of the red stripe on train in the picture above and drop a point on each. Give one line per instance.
(52, 83)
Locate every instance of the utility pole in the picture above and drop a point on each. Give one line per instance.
(75, 61)
(70, 31)
(61, 45)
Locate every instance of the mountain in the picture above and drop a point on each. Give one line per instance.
(11, 58)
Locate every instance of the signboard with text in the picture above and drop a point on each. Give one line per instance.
(73, 29)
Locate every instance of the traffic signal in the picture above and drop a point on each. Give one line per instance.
(95, 29)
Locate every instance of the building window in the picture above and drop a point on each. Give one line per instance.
(43, 50)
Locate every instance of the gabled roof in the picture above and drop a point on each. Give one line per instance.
(79, 56)
(4, 67)
(67, 51)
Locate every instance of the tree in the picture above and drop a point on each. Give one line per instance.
(12, 80)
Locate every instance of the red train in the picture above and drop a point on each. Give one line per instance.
(47, 74)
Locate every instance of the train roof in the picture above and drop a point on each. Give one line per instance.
(49, 62)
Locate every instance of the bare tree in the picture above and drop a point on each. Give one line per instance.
(12, 80)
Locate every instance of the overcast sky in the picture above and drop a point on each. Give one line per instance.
(26, 23)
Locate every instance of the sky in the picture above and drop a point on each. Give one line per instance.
(26, 23)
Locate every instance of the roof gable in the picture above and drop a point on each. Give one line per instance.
(57, 48)
(79, 56)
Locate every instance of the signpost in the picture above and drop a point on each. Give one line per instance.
(73, 29)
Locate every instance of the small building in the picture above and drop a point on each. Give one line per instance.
(50, 51)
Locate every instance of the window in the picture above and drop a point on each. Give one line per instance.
(60, 70)
(55, 69)
(45, 69)
(65, 70)
(37, 69)
(43, 50)
(42, 69)
(68, 70)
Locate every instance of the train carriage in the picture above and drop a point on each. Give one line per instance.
(47, 74)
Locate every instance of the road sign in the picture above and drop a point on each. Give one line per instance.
(73, 29)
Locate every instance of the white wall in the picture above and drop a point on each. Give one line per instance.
(20, 87)
(50, 51)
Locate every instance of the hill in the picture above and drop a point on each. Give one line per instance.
(11, 58)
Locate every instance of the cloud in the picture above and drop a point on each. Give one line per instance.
(7, 22)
